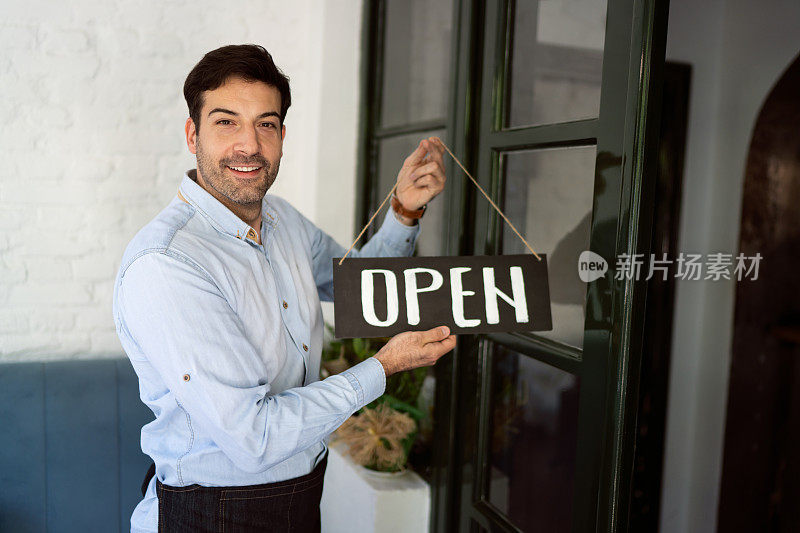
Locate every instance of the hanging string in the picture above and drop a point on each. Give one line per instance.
(368, 223)
(474, 181)
(490, 201)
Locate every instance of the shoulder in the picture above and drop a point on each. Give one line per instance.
(160, 235)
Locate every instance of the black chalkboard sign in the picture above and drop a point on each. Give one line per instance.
(380, 297)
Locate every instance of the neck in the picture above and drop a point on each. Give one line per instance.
(248, 213)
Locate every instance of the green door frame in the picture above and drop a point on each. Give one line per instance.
(625, 134)
(608, 366)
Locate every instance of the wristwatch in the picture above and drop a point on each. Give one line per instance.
(400, 210)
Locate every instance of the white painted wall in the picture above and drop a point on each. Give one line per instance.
(738, 50)
(92, 141)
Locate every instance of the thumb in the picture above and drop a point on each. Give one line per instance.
(435, 334)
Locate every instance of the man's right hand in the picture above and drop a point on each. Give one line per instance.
(414, 349)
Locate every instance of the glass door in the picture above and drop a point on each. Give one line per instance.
(553, 108)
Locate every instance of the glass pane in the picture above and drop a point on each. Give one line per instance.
(548, 198)
(534, 428)
(392, 153)
(416, 61)
(556, 61)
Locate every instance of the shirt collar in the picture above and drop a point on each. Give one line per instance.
(220, 216)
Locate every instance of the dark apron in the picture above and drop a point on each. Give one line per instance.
(291, 506)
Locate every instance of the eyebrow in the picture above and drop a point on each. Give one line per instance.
(235, 114)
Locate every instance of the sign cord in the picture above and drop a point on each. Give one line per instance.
(474, 181)
(490, 201)
(368, 223)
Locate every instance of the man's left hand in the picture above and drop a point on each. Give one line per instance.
(422, 176)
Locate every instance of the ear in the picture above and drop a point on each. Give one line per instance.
(191, 135)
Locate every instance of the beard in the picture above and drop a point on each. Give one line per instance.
(237, 190)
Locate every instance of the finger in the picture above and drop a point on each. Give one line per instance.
(437, 142)
(435, 171)
(434, 335)
(433, 181)
(439, 165)
(438, 349)
(436, 157)
(427, 182)
(438, 145)
(417, 156)
(427, 168)
(435, 152)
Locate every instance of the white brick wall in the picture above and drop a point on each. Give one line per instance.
(92, 118)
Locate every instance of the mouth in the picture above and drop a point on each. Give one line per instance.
(244, 171)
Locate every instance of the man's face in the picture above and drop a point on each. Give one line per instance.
(239, 144)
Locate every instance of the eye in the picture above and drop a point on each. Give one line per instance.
(224, 122)
(268, 125)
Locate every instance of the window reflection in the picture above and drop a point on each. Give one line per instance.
(416, 61)
(548, 197)
(556, 61)
(533, 438)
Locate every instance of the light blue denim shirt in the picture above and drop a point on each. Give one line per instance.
(225, 335)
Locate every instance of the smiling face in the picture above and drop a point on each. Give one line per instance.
(239, 143)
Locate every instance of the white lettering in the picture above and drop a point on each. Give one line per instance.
(412, 300)
(458, 293)
(368, 300)
(518, 302)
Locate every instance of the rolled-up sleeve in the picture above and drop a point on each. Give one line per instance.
(174, 314)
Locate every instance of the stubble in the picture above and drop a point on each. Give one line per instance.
(239, 191)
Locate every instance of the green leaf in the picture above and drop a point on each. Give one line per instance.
(403, 407)
(361, 348)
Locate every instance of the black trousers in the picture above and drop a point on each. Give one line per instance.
(291, 506)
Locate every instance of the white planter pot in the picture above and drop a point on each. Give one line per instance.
(357, 499)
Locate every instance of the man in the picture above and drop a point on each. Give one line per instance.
(217, 306)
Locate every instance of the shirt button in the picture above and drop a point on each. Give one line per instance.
(186, 377)
(305, 347)
(251, 234)
(285, 305)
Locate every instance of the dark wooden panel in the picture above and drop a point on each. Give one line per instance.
(133, 464)
(82, 453)
(759, 489)
(22, 464)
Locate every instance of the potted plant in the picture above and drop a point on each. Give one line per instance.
(382, 434)
(370, 478)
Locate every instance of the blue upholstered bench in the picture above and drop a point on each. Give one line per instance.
(69, 446)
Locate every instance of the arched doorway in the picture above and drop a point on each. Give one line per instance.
(761, 466)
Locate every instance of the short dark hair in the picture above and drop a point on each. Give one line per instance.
(247, 61)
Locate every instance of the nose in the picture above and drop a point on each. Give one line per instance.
(246, 141)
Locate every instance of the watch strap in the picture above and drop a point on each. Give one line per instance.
(400, 210)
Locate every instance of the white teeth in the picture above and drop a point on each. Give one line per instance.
(245, 169)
